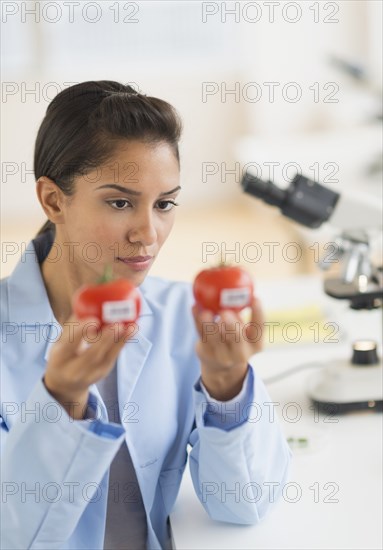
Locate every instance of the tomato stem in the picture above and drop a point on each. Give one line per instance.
(107, 275)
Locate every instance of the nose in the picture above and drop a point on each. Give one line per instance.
(142, 229)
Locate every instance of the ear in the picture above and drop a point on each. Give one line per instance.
(51, 199)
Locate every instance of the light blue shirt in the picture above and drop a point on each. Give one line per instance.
(55, 470)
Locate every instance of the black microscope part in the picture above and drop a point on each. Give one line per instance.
(304, 201)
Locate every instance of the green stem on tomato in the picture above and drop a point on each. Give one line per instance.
(107, 275)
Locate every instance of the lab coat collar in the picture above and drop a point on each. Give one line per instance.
(28, 299)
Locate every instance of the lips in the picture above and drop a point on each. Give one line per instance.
(137, 263)
(136, 259)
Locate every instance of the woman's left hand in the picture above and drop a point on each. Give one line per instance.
(225, 346)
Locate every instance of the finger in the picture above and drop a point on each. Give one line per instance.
(109, 340)
(212, 353)
(245, 314)
(196, 315)
(230, 327)
(220, 342)
(208, 329)
(211, 336)
(69, 342)
(202, 317)
(102, 354)
(99, 358)
(257, 315)
(255, 329)
(234, 334)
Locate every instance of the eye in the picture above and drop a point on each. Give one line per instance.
(119, 204)
(166, 206)
(123, 204)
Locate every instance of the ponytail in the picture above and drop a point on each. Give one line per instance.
(48, 226)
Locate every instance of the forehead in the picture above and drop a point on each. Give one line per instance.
(138, 165)
(144, 152)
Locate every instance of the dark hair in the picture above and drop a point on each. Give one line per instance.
(85, 122)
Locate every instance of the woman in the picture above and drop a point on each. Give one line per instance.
(95, 424)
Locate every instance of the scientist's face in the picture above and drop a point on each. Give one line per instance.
(122, 212)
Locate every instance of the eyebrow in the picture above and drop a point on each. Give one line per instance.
(132, 191)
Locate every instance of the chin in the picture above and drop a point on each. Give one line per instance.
(135, 278)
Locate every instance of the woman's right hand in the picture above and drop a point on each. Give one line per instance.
(74, 365)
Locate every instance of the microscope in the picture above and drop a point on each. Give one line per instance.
(355, 383)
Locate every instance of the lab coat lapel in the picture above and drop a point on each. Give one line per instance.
(133, 355)
(130, 363)
(28, 299)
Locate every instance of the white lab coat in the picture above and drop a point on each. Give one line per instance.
(55, 470)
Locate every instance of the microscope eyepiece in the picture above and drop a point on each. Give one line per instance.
(304, 201)
(265, 190)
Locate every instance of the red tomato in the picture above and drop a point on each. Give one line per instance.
(223, 287)
(115, 301)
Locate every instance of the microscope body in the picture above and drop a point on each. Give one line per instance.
(355, 383)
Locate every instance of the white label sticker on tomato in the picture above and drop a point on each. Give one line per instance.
(119, 310)
(234, 297)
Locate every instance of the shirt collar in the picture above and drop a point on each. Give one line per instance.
(28, 299)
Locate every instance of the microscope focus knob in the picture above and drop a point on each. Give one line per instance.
(364, 353)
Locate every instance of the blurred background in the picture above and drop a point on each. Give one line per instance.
(295, 87)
